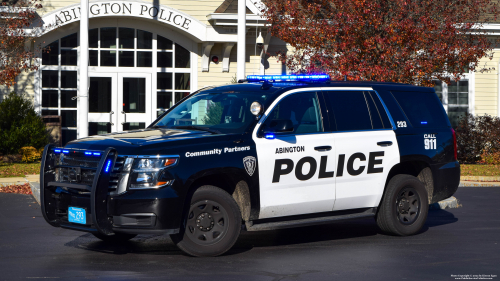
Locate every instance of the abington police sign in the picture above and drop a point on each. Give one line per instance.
(128, 9)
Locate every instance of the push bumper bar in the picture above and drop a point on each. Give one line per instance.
(100, 221)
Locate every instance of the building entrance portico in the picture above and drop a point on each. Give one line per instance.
(135, 74)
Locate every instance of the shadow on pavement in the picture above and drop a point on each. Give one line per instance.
(162, 245)
(142, 244)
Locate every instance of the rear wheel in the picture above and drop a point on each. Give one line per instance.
(117, 237)
(404, 207)
(212, 225)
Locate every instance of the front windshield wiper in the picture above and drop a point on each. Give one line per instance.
(197, 128)
(157, 126)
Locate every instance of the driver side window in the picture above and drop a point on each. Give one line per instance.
(302, 109)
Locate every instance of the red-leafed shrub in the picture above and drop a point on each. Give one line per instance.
(478, 139)
(490, 158)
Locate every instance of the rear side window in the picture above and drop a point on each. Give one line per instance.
(350, 110)
(423, 109)
(374, 113)
(381, 110)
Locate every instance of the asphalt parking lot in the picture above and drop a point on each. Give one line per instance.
(454, 242)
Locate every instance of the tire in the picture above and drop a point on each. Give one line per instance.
(116, 238)
(404, 206)
(212, 223)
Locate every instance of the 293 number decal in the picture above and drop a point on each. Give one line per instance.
(401, 124)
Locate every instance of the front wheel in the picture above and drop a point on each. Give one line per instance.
(404, 207)
(212, 225)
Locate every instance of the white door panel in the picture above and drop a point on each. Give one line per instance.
(296, 181)
(281, 192)
(364, 190)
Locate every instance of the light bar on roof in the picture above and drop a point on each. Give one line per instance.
(291, 78)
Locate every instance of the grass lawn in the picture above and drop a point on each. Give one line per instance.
(18, 169)
(479, 170)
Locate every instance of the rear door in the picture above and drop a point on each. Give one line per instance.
(366, 146)
(296, 169)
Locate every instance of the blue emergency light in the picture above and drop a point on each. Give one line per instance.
(57, 150)
(423, 122)
(65, 151)
(108, 165)
(88, 153)
(270, 136)
(289, 78)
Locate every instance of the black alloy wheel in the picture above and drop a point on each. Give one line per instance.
(404, 206)
(207, 222)
(407, 205)
(212, 223)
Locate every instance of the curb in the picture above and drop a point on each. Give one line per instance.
(3, 184)
(478, 184)
(16, 181)
(35, 190)
(480, 178)
(450, 203)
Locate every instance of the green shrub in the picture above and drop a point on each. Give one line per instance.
(20, 125)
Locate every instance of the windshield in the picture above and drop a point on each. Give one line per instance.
(218, 112)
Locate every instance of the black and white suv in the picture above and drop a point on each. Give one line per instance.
(272, 152)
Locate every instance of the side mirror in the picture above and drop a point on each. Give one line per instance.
(279, 126)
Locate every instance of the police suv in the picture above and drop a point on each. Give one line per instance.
(269, 152)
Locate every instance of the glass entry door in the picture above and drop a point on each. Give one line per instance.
(103, 103)
(134, 101)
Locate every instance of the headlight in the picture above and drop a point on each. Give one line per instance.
(146, 173)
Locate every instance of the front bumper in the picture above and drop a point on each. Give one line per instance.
(136, 212)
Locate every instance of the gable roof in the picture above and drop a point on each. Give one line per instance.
(229, 7)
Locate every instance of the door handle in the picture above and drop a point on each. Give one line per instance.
(384, 143)
(323, 148)
(124, 117)
(111, 118)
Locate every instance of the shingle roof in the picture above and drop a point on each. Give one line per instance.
(230, 7)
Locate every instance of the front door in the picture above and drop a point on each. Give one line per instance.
(134, 101)
(119, 102)
(296, 174)
(103, 103)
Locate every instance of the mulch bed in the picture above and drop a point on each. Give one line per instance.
(16, 188)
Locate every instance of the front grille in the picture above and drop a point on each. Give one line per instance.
(68, 166)
(79, 161)
(116, 174)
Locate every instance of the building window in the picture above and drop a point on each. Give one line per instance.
(173, 83)
(60, 83)
(455, 99)
(120, 48)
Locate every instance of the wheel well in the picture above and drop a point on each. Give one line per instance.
(235, 186)
(418, 169)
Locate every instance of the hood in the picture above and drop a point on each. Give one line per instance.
(129, 141)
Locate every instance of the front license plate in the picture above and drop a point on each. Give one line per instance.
(77, 215)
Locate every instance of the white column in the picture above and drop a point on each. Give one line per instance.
(241, 39)
(83, 100)
(498, 92)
